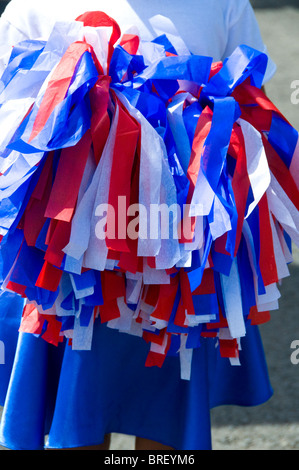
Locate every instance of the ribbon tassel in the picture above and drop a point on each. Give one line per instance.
(143, 187)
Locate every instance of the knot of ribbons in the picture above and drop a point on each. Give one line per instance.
(92, 122)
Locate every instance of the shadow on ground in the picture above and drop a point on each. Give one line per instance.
(3, 5)
(274, 3)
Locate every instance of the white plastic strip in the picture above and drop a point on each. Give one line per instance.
(233, 302)
(257, 164)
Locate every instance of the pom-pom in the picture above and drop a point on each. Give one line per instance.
(147, 189)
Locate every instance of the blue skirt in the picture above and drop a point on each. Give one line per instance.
(76, 397)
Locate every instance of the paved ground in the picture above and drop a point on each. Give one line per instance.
(257, 4)
(274, 425)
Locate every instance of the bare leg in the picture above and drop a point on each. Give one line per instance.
(104, 446)
(146, 444)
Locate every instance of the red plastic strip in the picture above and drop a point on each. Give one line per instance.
(68, 179)
(97, 19)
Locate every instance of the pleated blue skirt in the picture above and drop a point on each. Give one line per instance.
(76, 397)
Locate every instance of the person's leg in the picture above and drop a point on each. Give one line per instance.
(147, 444)
(104, 446)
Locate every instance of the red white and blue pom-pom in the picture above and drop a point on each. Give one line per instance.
(145, 187)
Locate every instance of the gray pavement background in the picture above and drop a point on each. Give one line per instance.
(274, 425)
(274, 3)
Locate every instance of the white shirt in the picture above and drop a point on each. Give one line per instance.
(208, 27)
